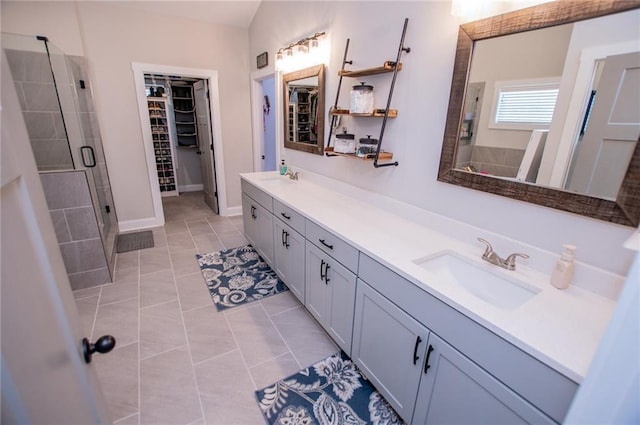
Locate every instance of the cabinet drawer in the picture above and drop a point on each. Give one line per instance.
(540, 385)
(332, 245)
(289, 216)
(257, 195)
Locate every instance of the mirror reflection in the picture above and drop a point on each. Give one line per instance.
(555, 107)
(303, 95)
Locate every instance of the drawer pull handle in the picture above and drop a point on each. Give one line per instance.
(322, 241)
(288, 217)
(426, 363)
(415, 350)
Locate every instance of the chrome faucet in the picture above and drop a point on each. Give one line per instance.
(490, 255)
(292, 175)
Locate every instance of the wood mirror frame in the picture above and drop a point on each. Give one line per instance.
(626, 209)
(314, 71)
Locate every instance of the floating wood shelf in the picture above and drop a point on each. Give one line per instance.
(377, 113)
(386, 156)
(387, 67)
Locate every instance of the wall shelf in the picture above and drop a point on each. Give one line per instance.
(389, 67)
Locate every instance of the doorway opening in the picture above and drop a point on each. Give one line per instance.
(180, 115)
(263, 93)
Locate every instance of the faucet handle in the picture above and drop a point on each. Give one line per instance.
(510, 261)
(488, 252)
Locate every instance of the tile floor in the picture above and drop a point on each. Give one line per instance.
(177, 360)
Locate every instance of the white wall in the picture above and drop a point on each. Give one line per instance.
(111, 37)
(415, 137)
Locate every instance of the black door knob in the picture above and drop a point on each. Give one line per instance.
(104, 344)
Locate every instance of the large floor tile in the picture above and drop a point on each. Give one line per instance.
(118, 375)
(208, 333)
(115, 292)
(118, 319)
(208, 243)
(234, 241)
(168, 393)
(193, 292)
(257, 338)
(233, 407)
(161, 329)
(86, 293)
(184, 262)
(127, 275)
(180, 241)
(129, 420)
(223, 374)
(274, 370)
(127, 260)
(280, 302)
(175, 227)
(306, 339)
(154, 259)
(200, 227)
(156, 288)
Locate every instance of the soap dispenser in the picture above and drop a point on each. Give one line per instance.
(283, 168)
(563, 271)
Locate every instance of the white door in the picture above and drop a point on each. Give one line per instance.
(205, 144)
(44, 376)
(269, 124)
(612, 131)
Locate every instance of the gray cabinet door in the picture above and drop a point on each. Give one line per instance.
(330, 295)
(389, 347)
(264, 230)
(289, 254)
(454, 390)
(249, 220)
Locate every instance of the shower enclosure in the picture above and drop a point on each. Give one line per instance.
(57, 106)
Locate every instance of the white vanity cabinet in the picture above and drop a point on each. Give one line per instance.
(289, 257)
(258, 220)
(330, 287)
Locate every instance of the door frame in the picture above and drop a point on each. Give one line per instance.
(139, 69)
(256, 115)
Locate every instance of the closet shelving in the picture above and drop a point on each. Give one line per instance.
(185, 116)
(300, 116)
(162, 146)
(388, 67)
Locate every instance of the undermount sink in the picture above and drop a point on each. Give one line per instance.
(278, 180)
(501, 291)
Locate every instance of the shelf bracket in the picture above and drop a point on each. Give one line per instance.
(335, 104)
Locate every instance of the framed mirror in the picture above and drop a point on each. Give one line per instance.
(533, 95)
(303, 100)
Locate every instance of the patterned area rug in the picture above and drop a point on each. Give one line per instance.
(330, 392)
(238, 276)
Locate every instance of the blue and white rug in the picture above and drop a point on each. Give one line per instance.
(331, 392)
(238, 276)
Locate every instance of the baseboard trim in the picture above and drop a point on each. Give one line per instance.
(229, 212)
(190, 188)
(144, 223)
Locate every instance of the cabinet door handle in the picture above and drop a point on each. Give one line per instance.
(283, 237)
(253, 212)
(322, 263)
(322, 241)
(426, 362)
(288, 217)
(286, 240)
(326, 273)
(415, 350)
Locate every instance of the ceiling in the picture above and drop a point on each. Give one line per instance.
(238, 13)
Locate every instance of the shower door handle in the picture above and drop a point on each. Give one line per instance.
(91, 156)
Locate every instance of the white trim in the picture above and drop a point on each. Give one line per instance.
(139, 69)
(143, 223)
(578, 103)
(256, 116)
(190, 188)
(233, 211)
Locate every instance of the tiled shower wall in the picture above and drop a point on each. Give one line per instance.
(32, 76)
(503, 162)
(76, 227)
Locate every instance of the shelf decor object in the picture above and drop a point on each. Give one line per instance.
(389, 67)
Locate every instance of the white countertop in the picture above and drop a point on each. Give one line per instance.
(561, 328)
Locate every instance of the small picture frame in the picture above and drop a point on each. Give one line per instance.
(262, 60)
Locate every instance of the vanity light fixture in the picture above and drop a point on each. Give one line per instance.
(301, 54)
